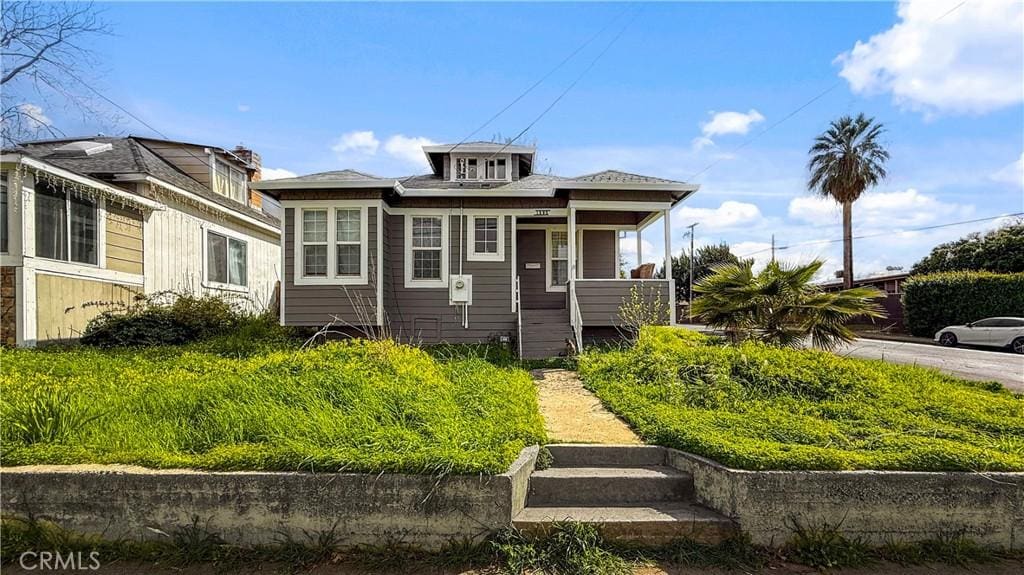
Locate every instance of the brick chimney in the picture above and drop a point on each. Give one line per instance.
(254, 165)
(252, 159)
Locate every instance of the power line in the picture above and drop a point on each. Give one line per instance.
(796, 111)
(867, 236)
(565, 60)
(570, 86)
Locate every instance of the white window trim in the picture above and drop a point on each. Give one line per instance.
(332, 265)
(481, 167)
(548, 259)
(475, 256)
(222, 286)
(101, 232)
(214, 161)
(445, 246)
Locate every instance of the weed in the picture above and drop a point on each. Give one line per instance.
(826, 546)
(751, 406)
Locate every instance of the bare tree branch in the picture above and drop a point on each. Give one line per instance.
(43, 51)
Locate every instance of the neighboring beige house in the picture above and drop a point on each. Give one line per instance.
(88, 223)
(480, 249)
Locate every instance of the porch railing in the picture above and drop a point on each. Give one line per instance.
(575, 317)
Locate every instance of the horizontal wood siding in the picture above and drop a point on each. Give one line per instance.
(64, 305)
(317, 305)
(124, 240)
(193, 160)
(600, 300)
(424, 314)
(599, 254)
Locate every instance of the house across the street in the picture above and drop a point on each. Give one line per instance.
(89, 223)
(482, 248)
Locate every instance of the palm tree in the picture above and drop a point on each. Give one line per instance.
(845, 161)
(780, 306)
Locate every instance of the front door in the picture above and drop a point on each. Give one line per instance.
(531, 267)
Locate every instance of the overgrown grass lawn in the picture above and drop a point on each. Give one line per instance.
(755, 407)
(367, 406)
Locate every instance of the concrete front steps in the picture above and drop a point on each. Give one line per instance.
(627, 491)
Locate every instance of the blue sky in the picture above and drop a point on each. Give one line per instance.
(316, 87)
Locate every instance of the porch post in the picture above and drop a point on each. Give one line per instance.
(572, 243)
(667, 216)
(639, 247)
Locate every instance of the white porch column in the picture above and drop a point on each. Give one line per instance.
(572, 243)
(667, 217)
(639, 247)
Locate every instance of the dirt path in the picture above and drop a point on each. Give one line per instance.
(573, 414)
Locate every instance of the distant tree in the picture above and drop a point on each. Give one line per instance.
(999, 251)
(705, 259)
(845, 161)
(780, 305)
(44, 52)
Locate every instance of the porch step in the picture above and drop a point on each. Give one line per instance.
(607, 486)
(584, 455)
(645, 523)
(545, 332)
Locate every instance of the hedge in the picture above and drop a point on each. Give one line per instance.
(932, 302)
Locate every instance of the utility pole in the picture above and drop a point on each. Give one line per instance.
(689, 307)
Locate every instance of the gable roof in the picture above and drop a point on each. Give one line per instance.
(128, 155)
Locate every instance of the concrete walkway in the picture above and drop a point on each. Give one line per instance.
(573, 414)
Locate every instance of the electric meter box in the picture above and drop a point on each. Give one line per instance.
(460, 290)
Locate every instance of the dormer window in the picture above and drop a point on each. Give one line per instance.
(496, 169)
(480, 168)
(229, 181)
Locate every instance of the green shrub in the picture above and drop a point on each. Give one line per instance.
(356, 405)
(167, 318)
(931, 302)
(751, 406)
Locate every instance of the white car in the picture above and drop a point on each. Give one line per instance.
(993, 331)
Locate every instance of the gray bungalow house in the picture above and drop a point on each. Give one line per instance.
(480, 249)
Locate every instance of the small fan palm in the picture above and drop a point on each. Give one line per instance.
(845, 161)
(780, 305)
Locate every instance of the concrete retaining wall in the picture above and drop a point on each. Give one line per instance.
(248, 508)
(877, 506)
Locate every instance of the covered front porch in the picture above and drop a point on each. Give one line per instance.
(569, 269)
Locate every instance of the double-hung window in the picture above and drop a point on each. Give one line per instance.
(331, 245)
(67, 226)
(466, 169)
(426, 251)
(226, 260)
(486, 238)
(496, 169)
(558, 260)
(229, 181)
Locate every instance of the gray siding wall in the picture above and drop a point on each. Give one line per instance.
(532, 283)
(316, 305)
(599, 254)
(600, 300)
(424, 314)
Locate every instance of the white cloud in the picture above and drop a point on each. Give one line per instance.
(36, 118)
(244, 108)
(1012, 173)
(968, 60)
(730, 123)
(356, 143)
(730, 214)
(908, 208)
(409, 150)
(276, 173)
